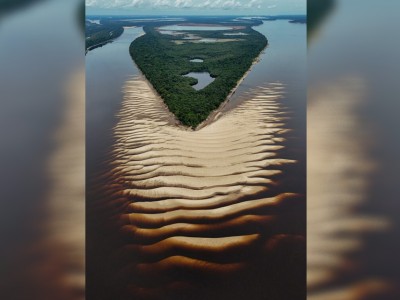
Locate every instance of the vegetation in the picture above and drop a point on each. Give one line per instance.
(164, 62)
(99, 34)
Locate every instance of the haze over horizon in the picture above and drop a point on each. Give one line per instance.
(195, 7)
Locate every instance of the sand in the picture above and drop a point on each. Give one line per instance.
(335, 227)
(195, 200)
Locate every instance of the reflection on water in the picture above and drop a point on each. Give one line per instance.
(181, 212)
(204, 40)
(93, 21)
(236, 33)
(203, 79)
(197, 60)
(194, 28)
(336, 139)
(353, 154)
(193, 206)
(42, 153)
(283, 60)
(107, 68)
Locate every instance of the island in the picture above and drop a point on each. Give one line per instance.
(98, 34)
(174, 61)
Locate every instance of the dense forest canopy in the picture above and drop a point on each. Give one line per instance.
(111, 27)
(99, 34)
(165, 58)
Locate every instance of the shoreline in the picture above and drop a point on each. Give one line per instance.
(234, 27)
(98, 45)
(87, 50)
(173, 118)
(215, 114)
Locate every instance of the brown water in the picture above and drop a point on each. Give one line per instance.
(107, 68)
(42, 255)
(353, 153)
(199, 202)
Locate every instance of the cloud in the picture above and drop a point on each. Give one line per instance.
(219, 4)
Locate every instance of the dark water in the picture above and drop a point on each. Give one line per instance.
(32, 84)
(107, 68)
(284, 61)
(360, 40)
(38, 58)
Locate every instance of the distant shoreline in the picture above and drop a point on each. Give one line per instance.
(216, 113)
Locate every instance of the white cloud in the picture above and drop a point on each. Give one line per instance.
(221, 4)
(132, 3)
(91, 2)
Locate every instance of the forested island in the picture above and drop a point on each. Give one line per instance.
(164, 59)
(98, 35)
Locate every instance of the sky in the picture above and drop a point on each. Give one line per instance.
(195, 7)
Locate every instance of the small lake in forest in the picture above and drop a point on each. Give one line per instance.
(194, 28)
(203, 78)
(197, 60)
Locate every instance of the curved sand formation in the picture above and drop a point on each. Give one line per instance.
(51, 263)
(203, 214)
(335, 226)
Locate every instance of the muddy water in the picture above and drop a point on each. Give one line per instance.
(183, 213)
(107, 68)
(353, 121)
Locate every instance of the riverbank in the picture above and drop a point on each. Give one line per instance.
(217, 113)
(164, 62)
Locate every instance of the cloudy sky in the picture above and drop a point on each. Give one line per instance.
(198, 7)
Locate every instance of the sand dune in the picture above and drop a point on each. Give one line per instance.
(181, 208)
(335, 225)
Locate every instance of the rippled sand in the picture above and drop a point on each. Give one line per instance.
(338, 178)
(204, 214)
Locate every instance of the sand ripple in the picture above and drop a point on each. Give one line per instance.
(180, 209)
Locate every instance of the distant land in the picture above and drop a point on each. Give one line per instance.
(110, 27)
(179, 208)
(175, 60)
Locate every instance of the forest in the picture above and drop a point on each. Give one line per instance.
(111, 27)
(100, 34)
(163, 62)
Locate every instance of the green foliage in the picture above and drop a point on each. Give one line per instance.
(98, 35)
(164, 62)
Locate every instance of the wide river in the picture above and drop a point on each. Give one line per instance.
(171, 211)
(109, 67)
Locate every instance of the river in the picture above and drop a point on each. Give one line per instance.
(109, 67)
(187, 203)
(353, 118)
